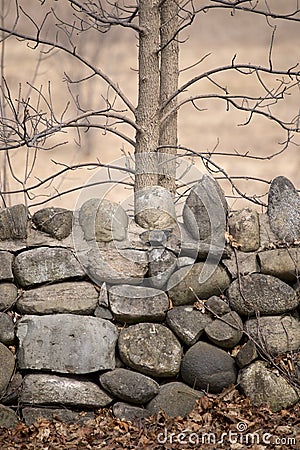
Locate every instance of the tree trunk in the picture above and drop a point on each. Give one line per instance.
(168, 85)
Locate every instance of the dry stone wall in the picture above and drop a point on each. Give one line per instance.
(95, 316)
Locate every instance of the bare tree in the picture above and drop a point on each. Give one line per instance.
(31, 123)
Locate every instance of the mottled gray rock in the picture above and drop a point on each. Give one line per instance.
(175, 399)
(6, 260)
(187, 323)
(31, 415)
(275, 334)
(7, 365)
(284, 210)
(244, 228)
(283, 263)
(151, 349)
(133, 304)
(225, 332)
(265, 386)
(207, 367)
(206, 279)
(132, 387)
(103, 220)
(155, 238)
(129, 413)
(13, 222)
(103, 296)
(205, 211)
(54, 221)
(242, 263)
(263, 293)
(44, 389)
(162, 264)
(217, 306)
(184, 261)
(13, 389)
(267, 237)
(154, 208)
(8, 295)
(247, 354)
(7, 329)
(66, 343)
(70, 297)
(103, 313)
(8, 417)
(44, 265)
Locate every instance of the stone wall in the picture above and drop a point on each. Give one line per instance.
(98, 312)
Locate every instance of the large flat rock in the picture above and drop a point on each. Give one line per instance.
(66, 343)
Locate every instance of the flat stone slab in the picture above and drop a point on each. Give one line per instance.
(6, 261)
(150, 348)
(69, 297)
(263, 293)
(283, 263)
(133, 304)
(7, 329)
(44, 265)
(43, 389)
(66, 343)
(8, 295)
(129, 413)
(32, 415)
(7, 365)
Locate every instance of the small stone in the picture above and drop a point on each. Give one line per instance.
(151, 349)
(283, 263)
(103, 296)
(261, 293)
(246, 355)
(162, 264)
(176, 399)
(154, 208)
(184, 261)
(44, 389)
(264, 386)
(13, 389)
(129, 413)
(133, 304)
(6, 261)
(225, 332)
(187, 323)
(54, 221)
(31, 415)
(242, 263)
(217, 306)
(267, 237)
(103, 313)
(275, 334)
(7, 329)
(244, 228)
(7, 366)
(207, 367)
(132, 387)
(8, 417)
(8, 295)
(284, 210)
(13, 222)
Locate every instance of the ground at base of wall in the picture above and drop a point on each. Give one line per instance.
(224, 421)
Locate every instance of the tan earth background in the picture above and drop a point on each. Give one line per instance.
(217, 33)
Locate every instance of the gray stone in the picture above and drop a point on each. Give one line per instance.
(6, 260)
(7, 366)
(283, 263)
(275, 334)
(103, 296)
(7, 329)
(205, 211)
(284, 210)
(31, 415)
(133, 304)
(44, 265)
(265, 386)
(207, 367)
(184, 261)
(205, 279)
(55, 221)
(103, 313)
(129, 413)
(103, 220)
(78, 297)
(261, 293)
(132, 387)
(151, 349)
(44, 389)
(225, 332)
(13, 389)
(267, 237)
(13, 222)
(155, 238)
(217, 306)
(162, 264)
(8, 295)
(176, 399)
(187, 323)
(154, 208)
(242, 263)
(246, 355)
(8, 417)
(244, 228)
(66, 343)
